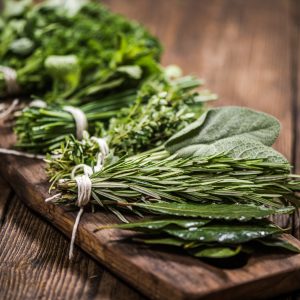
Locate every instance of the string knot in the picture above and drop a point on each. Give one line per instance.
(84, 185)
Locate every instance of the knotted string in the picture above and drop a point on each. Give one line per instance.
(104, 150)
(79, 118)
(84, 186)
(10, 77)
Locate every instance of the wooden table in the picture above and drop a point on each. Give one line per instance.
(248, 52)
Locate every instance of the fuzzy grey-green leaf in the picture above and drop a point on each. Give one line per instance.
(236, 147)
(219, 124)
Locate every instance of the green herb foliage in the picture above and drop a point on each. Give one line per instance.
(160, 108)
(208, 239)
(42, 130)
(211, 205)
(79, 53)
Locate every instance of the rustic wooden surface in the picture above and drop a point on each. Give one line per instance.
(247, 51)
(33, 262)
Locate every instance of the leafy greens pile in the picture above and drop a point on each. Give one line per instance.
(79, 49)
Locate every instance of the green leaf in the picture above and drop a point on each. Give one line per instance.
(22, 46)
(71, 7)
(236, 147)
(280, 242)
(239, 132)
(216, 252)
(65, 68)
(160, 224)
(225, 233)
(211, 211)
(171, 241)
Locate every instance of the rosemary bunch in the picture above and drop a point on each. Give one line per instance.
(217, 206)
(163, 183)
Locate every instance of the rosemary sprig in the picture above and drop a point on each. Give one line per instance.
(144, 182)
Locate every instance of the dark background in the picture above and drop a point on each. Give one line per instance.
(248, 52)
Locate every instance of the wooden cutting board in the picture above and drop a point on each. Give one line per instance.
(157, 274)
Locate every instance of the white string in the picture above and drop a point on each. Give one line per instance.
(84, 186)
(38, 103)
(21, 153)
(86, 169)
(84, 190)
(104, 150)
(53, 198)
(79, 118)
(7, 111)
(10, 77)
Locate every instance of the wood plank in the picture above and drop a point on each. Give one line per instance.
(5, 195)
(33, 262)
(157, 274)
(295, 84)
(236, 45)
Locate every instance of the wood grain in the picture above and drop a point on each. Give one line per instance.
(33, 262)
(157, 274)
(295, 85)
(248, 52)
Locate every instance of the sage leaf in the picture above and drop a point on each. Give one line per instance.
(236, 147)
(237, 131)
